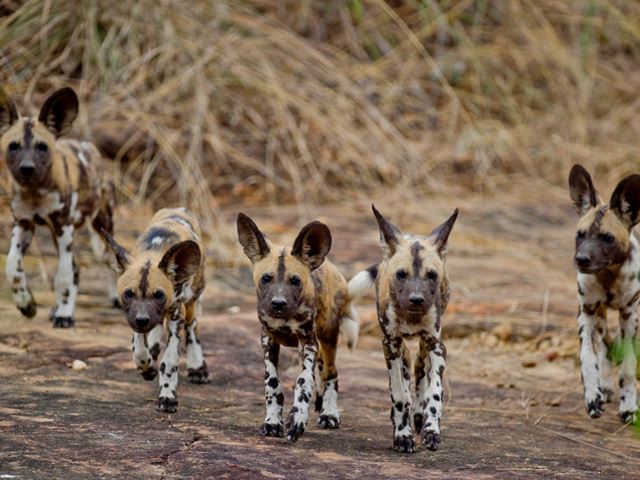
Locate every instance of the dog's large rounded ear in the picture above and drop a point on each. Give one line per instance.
(123, 259)
(59, 111)
(625, 200)
(389, 234)
(8, 112)
(312, 244)
(251, 238)
(581, 188)
(181, 261)
(440, 234)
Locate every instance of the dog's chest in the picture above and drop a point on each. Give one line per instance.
(395, 325)
(301, 324)
(38, 204)
(617, 292)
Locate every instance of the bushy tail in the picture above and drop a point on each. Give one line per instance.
(358, 286)
(350, 327)
(362, 282)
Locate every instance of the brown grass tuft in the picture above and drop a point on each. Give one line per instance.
(206, 102)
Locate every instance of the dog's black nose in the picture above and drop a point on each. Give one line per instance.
(416, 299)
(278, 303)
(142, 322)
(27, 170)
(583, 261)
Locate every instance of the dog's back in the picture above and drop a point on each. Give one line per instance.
(80, 170)
(167, 227)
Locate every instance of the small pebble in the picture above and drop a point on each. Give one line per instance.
(503, 331)
(551, 355)
(78, 365)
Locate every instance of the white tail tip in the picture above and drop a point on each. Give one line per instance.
(350, 328)
(361, 284)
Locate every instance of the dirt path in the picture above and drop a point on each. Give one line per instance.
(513, 402)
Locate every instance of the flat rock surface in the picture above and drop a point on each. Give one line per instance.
(513, 394)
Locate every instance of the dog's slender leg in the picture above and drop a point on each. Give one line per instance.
(422, 380)
(98, 246)
(628, 394)
(142, 357)
(398, 363)
(604, 363)
(431, 401)
(274, 398)
(589, 363)
(66, 280)
(20, 240)
(154, 342)
(319, 383)
(196, 365)
(299, 413)
(328, 389)
(168, 398)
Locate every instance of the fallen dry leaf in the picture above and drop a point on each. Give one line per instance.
(553, 402)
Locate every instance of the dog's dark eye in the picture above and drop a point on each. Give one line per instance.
(13, 146)
(295, 281)
(401, 274)
(42, 147)
(432, 275)
(607, 238)
(266, 278)
(128, 294)
(581, 234)
(158, 295)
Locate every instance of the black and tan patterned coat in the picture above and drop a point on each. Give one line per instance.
(57, 183)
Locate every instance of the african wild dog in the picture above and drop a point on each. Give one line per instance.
(412, 289)
(302, 301)
(57, 183)
(607, 258)
(162, 280)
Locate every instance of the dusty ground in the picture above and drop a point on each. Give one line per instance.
(513, 403)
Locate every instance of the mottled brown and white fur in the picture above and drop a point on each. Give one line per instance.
(302, 302)
(160, 283)
(412, 290)
(56, 183)
(607, 259)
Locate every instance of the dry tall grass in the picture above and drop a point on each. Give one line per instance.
(301, 100)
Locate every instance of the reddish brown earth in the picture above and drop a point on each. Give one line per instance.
(513, 403)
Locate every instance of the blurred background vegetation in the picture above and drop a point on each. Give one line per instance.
(265, 102)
